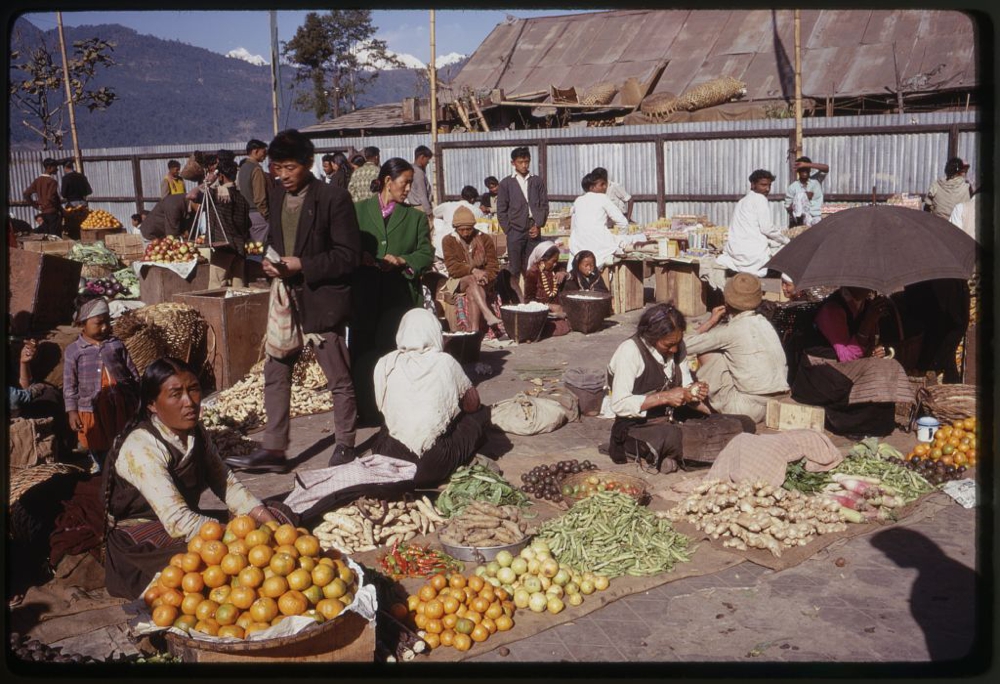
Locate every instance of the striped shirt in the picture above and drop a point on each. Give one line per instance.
(82, 370)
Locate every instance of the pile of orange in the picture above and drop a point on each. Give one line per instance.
(953, 445)
(454, 610)
(243, 578)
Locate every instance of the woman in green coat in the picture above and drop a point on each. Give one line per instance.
(396, 249)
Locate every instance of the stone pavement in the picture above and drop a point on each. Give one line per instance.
(902, 594)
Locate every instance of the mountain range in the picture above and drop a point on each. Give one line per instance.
(172, 93)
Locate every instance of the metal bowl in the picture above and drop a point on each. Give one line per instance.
(482, 554)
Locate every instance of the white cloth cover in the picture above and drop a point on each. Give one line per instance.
(418, 387)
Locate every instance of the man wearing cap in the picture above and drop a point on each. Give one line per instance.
(949, 191)
(741, 360)
(471, 259)
(43, 195)
(75, 187)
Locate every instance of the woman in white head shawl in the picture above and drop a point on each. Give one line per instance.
(432, 412)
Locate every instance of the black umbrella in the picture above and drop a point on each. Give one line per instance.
(881, 248)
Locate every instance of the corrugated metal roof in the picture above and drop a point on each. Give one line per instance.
(383, 116)
(844, 52)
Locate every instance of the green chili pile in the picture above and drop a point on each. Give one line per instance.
(478, 483)
(611, 534)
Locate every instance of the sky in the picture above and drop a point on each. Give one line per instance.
(405, 31)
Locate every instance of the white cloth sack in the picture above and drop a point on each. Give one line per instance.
(284, 334)
(524, 415)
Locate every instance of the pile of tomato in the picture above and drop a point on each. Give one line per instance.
(953, 451)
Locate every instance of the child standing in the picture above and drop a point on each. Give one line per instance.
(99, 381)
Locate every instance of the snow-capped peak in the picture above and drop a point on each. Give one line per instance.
(450, 58)
(244, 54)
(369, 61)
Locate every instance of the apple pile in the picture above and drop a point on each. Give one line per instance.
(170, 250)
(255, 247)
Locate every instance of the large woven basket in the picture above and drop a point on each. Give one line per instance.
(715, 92)
(145, 342)
(184, 329)
(599, 93)
(948, 402)
(658, 105)
(523, 326)
(23, 479)
(586, 311)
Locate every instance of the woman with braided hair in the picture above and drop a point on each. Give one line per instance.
(155, 475)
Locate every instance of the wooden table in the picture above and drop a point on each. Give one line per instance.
(627, 289)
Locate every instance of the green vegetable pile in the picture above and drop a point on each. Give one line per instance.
(868, 458)
(478, 483)
(127, 277)
(96, 253)
(610, 533)
(797, 478)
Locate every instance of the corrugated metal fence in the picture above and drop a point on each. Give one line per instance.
(699, 167)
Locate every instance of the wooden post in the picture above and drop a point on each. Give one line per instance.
(137, 181)
(661, 181)
(482, 119)
(798, 86)
(69, 95)
(275, 71)
(432, 67)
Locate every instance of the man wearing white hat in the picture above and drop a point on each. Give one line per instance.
(741, 360)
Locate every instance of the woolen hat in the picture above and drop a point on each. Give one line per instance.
(743, 292)
(463, 216)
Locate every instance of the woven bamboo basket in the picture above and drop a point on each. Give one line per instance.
(586, 311)
(523, 326)
(948, 403)
(23, 479)
(184, 329)
(658, 105)
(599, 93)
(145, 342)
(715, 92)
(96, 271)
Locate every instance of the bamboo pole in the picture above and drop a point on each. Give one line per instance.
(433, 73)
(69, 95)
(274, 71)
(798, 86)
(482, 119)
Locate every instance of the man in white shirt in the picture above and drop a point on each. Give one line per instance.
(443, 215)
(753, 237)
(616, 193)
(808, 187)
(589, 226)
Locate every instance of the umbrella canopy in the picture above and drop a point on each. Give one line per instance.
(881, 248)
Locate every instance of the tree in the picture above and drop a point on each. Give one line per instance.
(39, 91)
(338, 54)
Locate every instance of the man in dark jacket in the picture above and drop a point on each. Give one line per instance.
(314, 229)
(522, 210)
(172, 215)
(75, 187)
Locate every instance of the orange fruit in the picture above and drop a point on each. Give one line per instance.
(476, 583)
(192, 562)
(346, 574)
(299, 579)
(457, 581)
(260, 555)
(948, 460)
(286, 534)
(244, 620)
(176, 560)
(322, 575)
(212, 552)
(264, 609)
(221, 594)
(251, 577)
(239, 546)
(450, 604)
(921, 449)
(282, 564)
(192, 582)
(434, 609)
(226, 614)
(420, 620)
(256, 627)
(489, 624)
(274, 587)
(464, 626)
(504, 622)
(480, 633)
(153, 593)
(171, 576)
(242, 597)
(427, 593)
(190, 603)
(293, 603)
(473, 616)
(206, 610)
(462, 642)
(335, 589)
(468, 594)
(329, 608)
(210, 627)
(433, 626)
(488, 593)
(935, 453)
(449, 620)
(164, 616)
(232, 563)
(242, 525)
(214, 576)
(501, 593)
(288, 549)
(185, 622)
(307, 545)
(438, 581)
(480, 604)
(432, 640)
(961, 458)
(232, 631)
(447, 637)
(211, 531)
(494, 611)
(172, 597)
(259, 537)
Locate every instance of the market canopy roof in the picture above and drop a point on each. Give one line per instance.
(845, 53)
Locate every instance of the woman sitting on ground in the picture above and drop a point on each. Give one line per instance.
(542, 284)
(155, 475)
(585, 276)
(656, 400)
(847, 372)
(433, 416)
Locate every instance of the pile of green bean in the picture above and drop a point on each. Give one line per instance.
(909, 484)
(611, 534)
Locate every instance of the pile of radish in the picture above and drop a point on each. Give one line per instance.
(863, 499)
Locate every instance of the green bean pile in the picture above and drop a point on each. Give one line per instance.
(611, 534)
(909, 484)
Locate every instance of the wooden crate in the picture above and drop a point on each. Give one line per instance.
(626, 285)
(98, 234)
(348, 638)
(161, 284)
(678, 281)
(238, 323)
(42, 288)
(56, 247)
(788, 414)
(128, 246)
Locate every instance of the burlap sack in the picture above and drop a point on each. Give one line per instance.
(32, 441)
(524, 415)
(284, 333)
